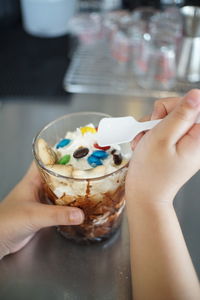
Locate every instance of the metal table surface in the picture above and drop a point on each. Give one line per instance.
(50, 267)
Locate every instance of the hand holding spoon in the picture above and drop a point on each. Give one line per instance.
(122, 130)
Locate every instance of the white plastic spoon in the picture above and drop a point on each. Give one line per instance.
(122, 130)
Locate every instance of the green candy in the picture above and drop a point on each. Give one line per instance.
(64, 160)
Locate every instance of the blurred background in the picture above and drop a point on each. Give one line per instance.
(38, 39)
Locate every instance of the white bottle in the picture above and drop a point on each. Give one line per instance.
(47, 18)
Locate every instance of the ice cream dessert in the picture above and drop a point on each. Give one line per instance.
(78, 172)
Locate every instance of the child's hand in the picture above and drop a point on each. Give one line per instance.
(168, 155)
(22, 214)
(162, 108)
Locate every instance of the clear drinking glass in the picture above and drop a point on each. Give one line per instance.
(168, 24)
(120, 47)
(156, 62)
(159, 70)
(87, 27)
(139, 34)
(100, 198)
(155, 37)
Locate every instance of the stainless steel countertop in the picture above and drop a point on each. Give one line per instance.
(50, 267)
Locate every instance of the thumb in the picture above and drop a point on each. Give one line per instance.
(51, 215)
(181, 119)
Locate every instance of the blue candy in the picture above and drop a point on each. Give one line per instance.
(100, 154)
(63, 143)
(94, 161)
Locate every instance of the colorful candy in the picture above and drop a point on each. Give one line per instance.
(87, 129)
(64, 160)
(100, 154)
(94, 161)
(117, 158)
(101, 148)
(80, 152)
(63, 143)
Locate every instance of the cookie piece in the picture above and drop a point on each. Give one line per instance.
(92, 173)
(45, 153)
(64, 170)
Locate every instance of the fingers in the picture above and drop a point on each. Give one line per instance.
(190, 143)
(51, 215)
(163, 107)
(181, 119)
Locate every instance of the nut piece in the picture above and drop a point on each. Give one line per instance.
(62, 170)
(46, 154)
(92, 173)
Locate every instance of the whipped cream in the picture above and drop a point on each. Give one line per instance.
(88, 140)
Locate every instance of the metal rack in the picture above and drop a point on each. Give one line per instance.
(94, 71)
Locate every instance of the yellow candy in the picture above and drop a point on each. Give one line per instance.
(87, 129)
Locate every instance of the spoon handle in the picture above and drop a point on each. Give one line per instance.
(150, 124)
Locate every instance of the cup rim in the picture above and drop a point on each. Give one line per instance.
(40, 163)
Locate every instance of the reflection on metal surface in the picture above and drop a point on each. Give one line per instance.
(191, 20)
(58, 269)
(188, 68)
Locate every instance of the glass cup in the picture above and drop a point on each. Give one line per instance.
(87, 27)
(158, 70)
(100, 198)
(169, 25)
(139, 33)
(120, 47)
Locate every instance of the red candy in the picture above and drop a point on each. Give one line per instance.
(101, 148)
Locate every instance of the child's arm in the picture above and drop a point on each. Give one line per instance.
(163, 160)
